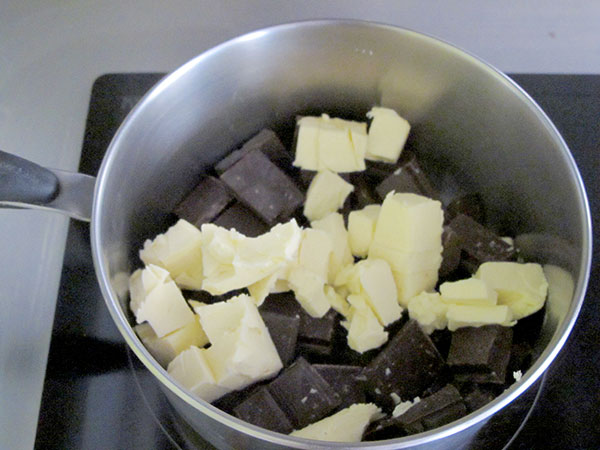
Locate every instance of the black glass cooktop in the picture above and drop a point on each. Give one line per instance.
(97, 395)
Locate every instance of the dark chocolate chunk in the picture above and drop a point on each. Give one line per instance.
(363, 193)
(469, 204)
(263, 187)
(451, 252)
(347, 381)
(284, 333)
(478, 397)
(260, 409)
(479, 242)
(317, 329)
(480, 354)
(521, 357)
(386, 428)
(407, 177)
(267, 142)
(242, 219)
(205, 297)
(303, 394)
(440, 408)
(407, 365)
(315, 352)
(205, 202)
(282, 303)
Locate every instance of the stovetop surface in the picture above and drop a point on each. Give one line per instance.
(97, 395)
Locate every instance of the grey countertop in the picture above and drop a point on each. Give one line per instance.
(51, 53)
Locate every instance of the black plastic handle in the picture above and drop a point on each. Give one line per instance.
(26, 182)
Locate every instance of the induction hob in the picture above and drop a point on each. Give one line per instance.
(97, 395)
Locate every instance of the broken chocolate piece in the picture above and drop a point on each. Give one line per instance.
(347, 381)
(469, 204)
(263, 187)
(480, 354)
(284, 333)
(205, 202)
(479, 242)
(441, 408)
(242, 219)
(478, 397)
(317, 329)
(407, 365)
(268, 143)
(407, 177)
(363, 193)
(260, 409)
(303, 394)
(451, 252)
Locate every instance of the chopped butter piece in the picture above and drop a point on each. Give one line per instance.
(429, 311)
(309, 290)
(408, 262)
(560, 292)
(364, 330)
(475, 316)
(315, 252)
(337, 301)
(379, 289)
(410, 284)
(159, 302)
(361, 227)
(191, 369)
(333, 225)
(166, 348)
(326, 194)
(522, 287)
(347, 425)
(517, 375)
(402, 407)
(334, 144)
(471, 291)
(387, 134)
(179, 251)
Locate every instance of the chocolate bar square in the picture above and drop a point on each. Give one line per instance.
(407, 365)
(303, 394)
(205, 202)
(260, 409)
(469, 204)
(347, 381)
(242, 219)
(284, 333)
(407, 177)
(480, 354)
(451, 252)
(263, 187)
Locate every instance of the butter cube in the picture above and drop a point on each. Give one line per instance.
(364, 330)
(309, 289)
(315, 252)
(361, 228)
(429, 311)
(178, 251)
(475, 316)
(409, 222)
(142, 281)
(166, 348)
(163, 306)
(333, 225)
(337, 301)
(387, 134)
(410, 284)
(326, 194)
(347, 425)
(471, 291)
(522, 287)
(191, 369)
(334, 144)
(379, 288)
(408, 262)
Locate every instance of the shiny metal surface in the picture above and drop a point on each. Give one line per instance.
(469, 122)
(74, 199)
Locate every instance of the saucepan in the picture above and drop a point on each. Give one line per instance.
(469, 123)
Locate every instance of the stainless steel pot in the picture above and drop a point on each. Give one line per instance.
(470, 123)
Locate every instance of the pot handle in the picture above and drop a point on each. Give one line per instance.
(24, 184)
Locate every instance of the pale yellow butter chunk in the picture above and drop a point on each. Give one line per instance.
(347, 425)
(162, 305)
(408, 262)
(234, 261)
(409, 222)
(341, 256)
(387, 134)
(560, 292)
(191, 369)
(315, 251)
(379, 289)
(361, 228)
(364, 330)
(522, 287)
(166, 348)
(334, 144)
(410, 284)
(337, 301)
(178, 251)
(309, 290)
(326, 194)
(242, 351)
(429, 311)
(142, 281)
(471, 291)
(475, 316)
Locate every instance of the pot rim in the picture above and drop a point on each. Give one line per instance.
(516, 389)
